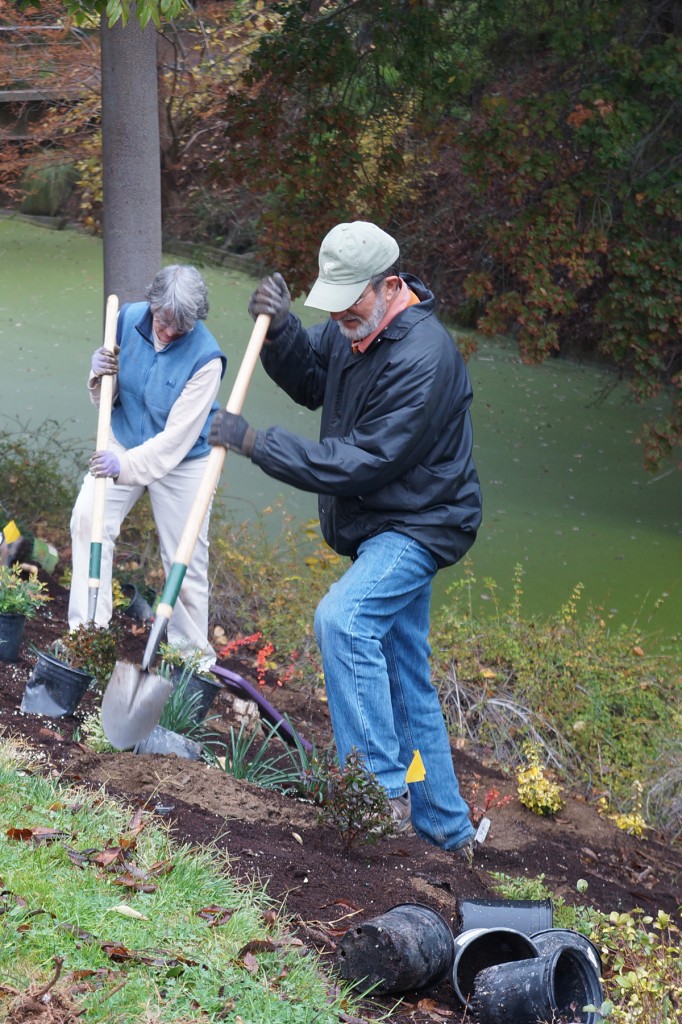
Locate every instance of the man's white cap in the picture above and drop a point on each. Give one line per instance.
(350, 256)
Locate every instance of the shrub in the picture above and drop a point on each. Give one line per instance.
(90, 649)
(40, 470)
(598, 706)
(352, 801)
(20, 595)
(535, 791)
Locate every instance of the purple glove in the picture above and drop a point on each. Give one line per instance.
(272, 298)
(104, 361)
(232, 431)
(105, 464)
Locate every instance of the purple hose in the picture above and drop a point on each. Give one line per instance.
(239, 685)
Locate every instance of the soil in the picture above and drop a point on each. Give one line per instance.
(278, 840)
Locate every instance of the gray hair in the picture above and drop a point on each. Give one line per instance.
(378, 279)
(179, 294)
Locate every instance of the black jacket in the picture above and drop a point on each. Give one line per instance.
(395, 437)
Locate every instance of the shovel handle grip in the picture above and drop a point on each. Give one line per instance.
(104, 420)
(217, 454)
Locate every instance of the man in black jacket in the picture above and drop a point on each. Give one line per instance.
(398, 493)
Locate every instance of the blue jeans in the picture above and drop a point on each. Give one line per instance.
(372, 628)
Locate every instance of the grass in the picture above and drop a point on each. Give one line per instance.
(142, 929)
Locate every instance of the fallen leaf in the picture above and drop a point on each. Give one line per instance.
(78, 933)
(106, 857)
(431, 1007)
(50, 734)
(135, 884)
(250, 963)
(215, 915)
(126, 911)
(39, 834)
(258, 946)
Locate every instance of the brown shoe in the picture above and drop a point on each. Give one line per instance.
(401, 810)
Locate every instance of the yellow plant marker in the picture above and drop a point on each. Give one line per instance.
(416, 772)
(11, 532)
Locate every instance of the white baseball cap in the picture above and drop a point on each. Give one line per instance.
(350, 256)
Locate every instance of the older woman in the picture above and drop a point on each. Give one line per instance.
(168, 369)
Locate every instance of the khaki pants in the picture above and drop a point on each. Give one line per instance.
(171, 499)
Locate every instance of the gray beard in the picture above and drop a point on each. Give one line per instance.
(368, 326)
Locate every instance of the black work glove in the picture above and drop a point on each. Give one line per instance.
(232, 431)
(272, 298)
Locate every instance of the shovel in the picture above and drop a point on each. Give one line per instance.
(135, 697)
(103, 424)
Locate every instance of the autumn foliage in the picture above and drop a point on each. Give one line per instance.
(526, 155)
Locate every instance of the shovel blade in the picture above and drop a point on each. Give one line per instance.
(132, 704)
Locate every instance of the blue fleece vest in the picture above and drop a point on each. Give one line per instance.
(149, 382)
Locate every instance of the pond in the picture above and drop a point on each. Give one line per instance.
(565, 494)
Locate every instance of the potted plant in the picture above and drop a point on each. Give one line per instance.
(74, 662)
(186, 666)
(180, 730)
(20, 597)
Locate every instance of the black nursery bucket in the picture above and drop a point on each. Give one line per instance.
(137, 607)
(11, 635)
(203, 686)
(527, 916)
(53, 688)
(555, 986)
(566, 938)
(409, 947)
(479, 948)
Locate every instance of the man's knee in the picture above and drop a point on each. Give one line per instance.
(329, 618)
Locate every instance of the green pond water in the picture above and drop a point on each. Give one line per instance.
(565, 495)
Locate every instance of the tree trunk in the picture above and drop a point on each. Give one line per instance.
(131, 172)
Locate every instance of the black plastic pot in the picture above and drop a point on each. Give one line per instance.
(408, 947)
(137, 607)
(555, 986)
(202, 685)
(479, 948)
(165, 741)
(527, 916)
(566, 938)
(11, 635)
(53, 688)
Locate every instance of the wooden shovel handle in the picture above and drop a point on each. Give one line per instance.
(217, 455)
(104, 419)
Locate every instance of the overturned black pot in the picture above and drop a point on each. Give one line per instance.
(552, 986)
(567, 938)
(205, 688)
(54, 688)
(479, 948)
(137, 608)
(408, 947)
(527, 916)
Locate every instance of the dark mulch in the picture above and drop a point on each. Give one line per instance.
(279, 841)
